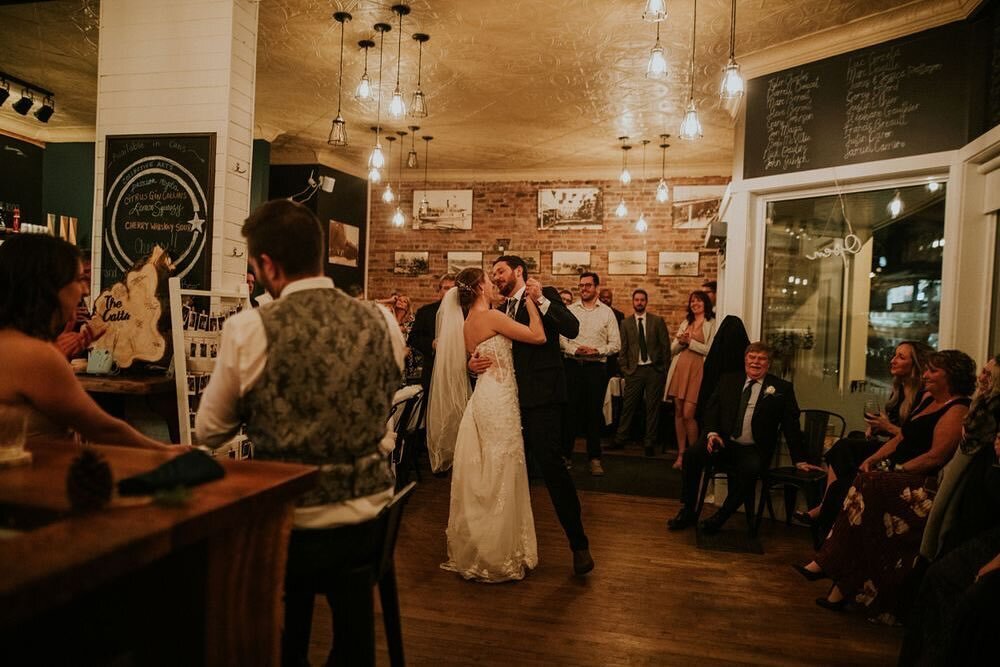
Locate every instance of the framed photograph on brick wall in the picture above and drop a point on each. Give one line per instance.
(696, 206)
(570, 208)
(461, 259)
(679, 264)
(343, 247)
(627, 262)
(446, 209)
(570, 262)
(410, 263)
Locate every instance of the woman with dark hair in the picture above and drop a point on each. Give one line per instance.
(491, 530)
(875, 540)
(691, 343)
(41, 283)
(906, 368)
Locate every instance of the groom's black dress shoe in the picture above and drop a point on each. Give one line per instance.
(684, 519)
(582, 562)
(713, 524)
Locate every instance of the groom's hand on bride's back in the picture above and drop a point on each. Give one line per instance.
(479, 364)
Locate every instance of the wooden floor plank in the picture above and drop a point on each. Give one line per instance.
(654, 598)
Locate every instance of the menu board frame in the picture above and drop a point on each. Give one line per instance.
(159, 190)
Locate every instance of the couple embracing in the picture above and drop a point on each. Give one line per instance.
(510, 327)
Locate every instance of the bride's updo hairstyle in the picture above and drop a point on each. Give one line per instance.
(468, 282)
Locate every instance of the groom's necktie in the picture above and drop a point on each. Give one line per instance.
(512, 308)
(741, 412)
(643, 351)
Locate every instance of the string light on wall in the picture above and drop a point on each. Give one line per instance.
(398, 219)
(424, 204)
(387, 195)
(662, 192)
(656, 68)
(397, 107)
(656, 10)
(363, 93)
(418, 105)
(641, 225)
(895, 206)
(732, 80)
(411, 158)
(933, 186)
(377, 160)
(626, 176)
(338, 128)
(691, 126)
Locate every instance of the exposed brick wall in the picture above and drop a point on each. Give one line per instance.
(510, 210)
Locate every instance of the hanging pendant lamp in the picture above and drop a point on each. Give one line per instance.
(411, 158)
(656, 68)
(691, 126)
(656, 10)
(641, 225)
(377, 160)
(626, 176)
(397, 107)
(398, 218)
(662, 192)
(388, 196)
(732, 80)
(418, 106)
(424, 204)
(338, 129)
(364, 92)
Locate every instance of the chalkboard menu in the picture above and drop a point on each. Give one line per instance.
(158, 192)
(905, 97)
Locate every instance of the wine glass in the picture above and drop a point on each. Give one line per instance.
(873, 407)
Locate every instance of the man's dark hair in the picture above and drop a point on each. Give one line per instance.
(513, 261)
(288, 233)
(591, 274)
(448, 276)
(642, 292)
(33, 269)
(710, 284)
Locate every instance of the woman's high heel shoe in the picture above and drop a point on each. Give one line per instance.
(803, 517)
(809, 574)
(839, 605)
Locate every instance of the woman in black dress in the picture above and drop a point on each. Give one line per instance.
(876, 538)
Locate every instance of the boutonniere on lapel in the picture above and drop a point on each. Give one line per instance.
(770, 390)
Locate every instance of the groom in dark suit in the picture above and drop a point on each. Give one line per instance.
(541, 389)
(741, 424)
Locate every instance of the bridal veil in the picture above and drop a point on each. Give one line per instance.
(450, 390)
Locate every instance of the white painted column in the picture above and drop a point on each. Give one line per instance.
(184, 66)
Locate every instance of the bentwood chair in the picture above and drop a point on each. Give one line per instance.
(385, 573)
(816, 426)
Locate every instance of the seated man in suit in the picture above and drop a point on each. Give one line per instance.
(742, 419)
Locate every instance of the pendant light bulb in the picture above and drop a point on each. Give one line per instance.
(656, 68)
(418, 105)
(640, 225)
(387, 195)
(411, 157)
(732, 82)
(895, 206)
(398, 219)
(365, 91)
(626, 176)
(621, 210)
(338, 132)
(662, 193)
(656, 11)
(690, 126)
(338, 128)
(397, 107)
(377, 159)
(374, 175)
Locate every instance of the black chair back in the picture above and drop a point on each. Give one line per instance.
(407, 410)
(815, 427)
(392, 515)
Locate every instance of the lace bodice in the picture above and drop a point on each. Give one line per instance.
(498, 348)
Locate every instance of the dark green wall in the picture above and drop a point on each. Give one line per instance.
(260, 173)
(68, 185)
(21, 179)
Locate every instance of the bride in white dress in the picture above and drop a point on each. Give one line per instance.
(491, 530)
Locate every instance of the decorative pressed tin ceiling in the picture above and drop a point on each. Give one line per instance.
(526, 87)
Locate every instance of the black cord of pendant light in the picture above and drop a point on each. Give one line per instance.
(694, 36)
(732, 33)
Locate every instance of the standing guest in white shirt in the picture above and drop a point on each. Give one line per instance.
(312, 375)
(644, 357)
(586, 369)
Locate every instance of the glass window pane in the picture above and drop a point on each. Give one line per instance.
(846, 279)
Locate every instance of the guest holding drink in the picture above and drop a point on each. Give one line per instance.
(688, 349)
(906, 368)
(41, 282)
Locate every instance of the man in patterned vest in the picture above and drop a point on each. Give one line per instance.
(312, 375)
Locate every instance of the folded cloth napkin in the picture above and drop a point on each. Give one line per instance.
(191, 469)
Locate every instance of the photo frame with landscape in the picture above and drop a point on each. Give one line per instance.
(463, 259)
(679, 264)
(696, 206)
(627, 262)
(570, 208)
(411, 263)
(446, 209)
(570, 262)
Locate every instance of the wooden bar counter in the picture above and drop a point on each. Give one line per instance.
(142, 583)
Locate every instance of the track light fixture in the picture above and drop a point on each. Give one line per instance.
(29, 93)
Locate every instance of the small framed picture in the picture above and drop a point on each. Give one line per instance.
(678, 264)
(570, 262)
(409, 263)
(461, 259)
(627, 262)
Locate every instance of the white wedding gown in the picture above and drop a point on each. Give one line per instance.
(491, 530)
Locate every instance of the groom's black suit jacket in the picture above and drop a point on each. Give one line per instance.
(776, 410)
(541, 378)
